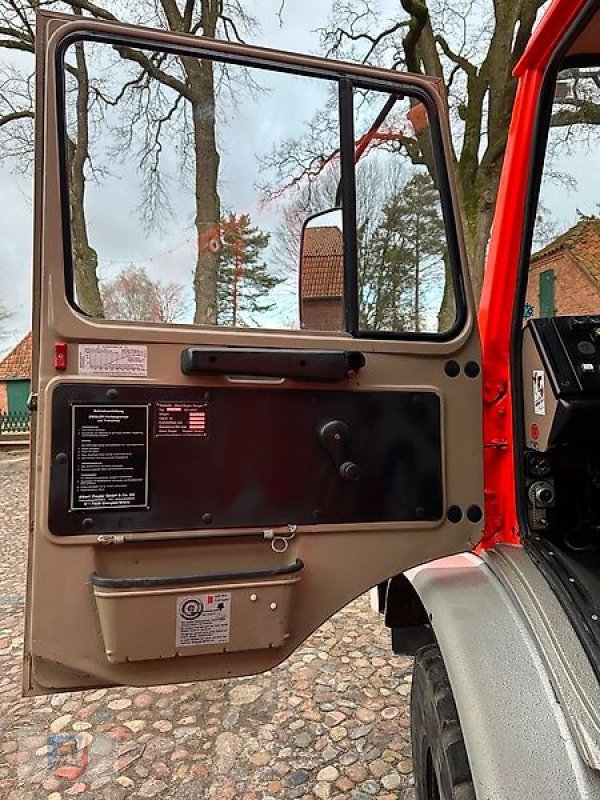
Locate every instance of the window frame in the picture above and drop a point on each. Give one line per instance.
(346, 84)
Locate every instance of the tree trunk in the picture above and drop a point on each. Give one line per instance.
(200, 75)
(208, 204)
(85, 258)
(447, 312)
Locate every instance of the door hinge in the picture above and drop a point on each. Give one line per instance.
(32, 402)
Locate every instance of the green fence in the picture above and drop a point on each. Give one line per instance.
(14, 422)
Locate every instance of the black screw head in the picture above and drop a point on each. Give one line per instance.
(472, 369)
(61, 458)
(207, 518)
(454, 514)
(474, 514)
(87, 524)
(111, 394)
(452, 368)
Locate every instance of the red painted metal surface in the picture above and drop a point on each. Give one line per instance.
(499, 285)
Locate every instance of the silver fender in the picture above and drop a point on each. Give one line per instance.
(527, 697)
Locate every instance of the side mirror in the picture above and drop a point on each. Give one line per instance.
(321, 273)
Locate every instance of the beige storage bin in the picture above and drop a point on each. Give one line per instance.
(163, 617)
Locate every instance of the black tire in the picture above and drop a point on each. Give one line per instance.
(440, 765)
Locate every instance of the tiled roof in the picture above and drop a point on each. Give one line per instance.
(17, 364)
(322, 262)
(582, 241)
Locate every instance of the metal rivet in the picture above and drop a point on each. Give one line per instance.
(273, 606)
(207, 518)
(87, 523)
(111, 394)
(254, 598)
(595, 617)
(61, 458)
(571, 580)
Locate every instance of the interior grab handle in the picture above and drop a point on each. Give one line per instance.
(327, 366)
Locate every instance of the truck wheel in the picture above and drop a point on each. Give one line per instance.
(440, 765)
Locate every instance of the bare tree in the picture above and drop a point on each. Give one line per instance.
(17, 24)
(473, 46)
(6, 316)
(193, 84)
(133, 295)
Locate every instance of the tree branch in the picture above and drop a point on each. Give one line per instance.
(419, 17)
(456, 58)
(11, 44)
(96, 11)
(13, 116)
(154, 71)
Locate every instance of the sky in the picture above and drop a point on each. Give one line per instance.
(298, 32)
(168, 254)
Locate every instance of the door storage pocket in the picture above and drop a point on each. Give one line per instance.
(146, 618)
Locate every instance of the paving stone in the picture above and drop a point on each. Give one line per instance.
(328, 774)
(332, 723)
(245, 693)
(298, 777)
(360, 731)
(228, 746)
(391, 781)
(338, 733)
(152, 788)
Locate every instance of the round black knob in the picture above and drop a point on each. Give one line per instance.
(349, 471)
(586, 348)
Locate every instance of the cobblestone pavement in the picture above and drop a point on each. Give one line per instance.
(331, 722)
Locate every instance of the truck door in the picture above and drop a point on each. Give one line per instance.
(257, 368)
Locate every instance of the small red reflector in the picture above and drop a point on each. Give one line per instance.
(535, 432)
(60, 356)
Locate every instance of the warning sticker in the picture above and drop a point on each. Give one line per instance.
(539, 393)
(203, 619)
(181, 419)
(128, 360)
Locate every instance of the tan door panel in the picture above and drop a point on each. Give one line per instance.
(191, 522)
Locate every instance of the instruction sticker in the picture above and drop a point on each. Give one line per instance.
(127, 360)
(539, 393)
(109, 457)
(181, 419)
(203, 619)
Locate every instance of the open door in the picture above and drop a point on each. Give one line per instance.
(214, 473)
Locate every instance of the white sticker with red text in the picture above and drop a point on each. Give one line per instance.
(203, 619)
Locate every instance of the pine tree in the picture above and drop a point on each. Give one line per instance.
(244, 281)
(402, 259)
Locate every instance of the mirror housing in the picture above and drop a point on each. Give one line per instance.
(321, 271)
